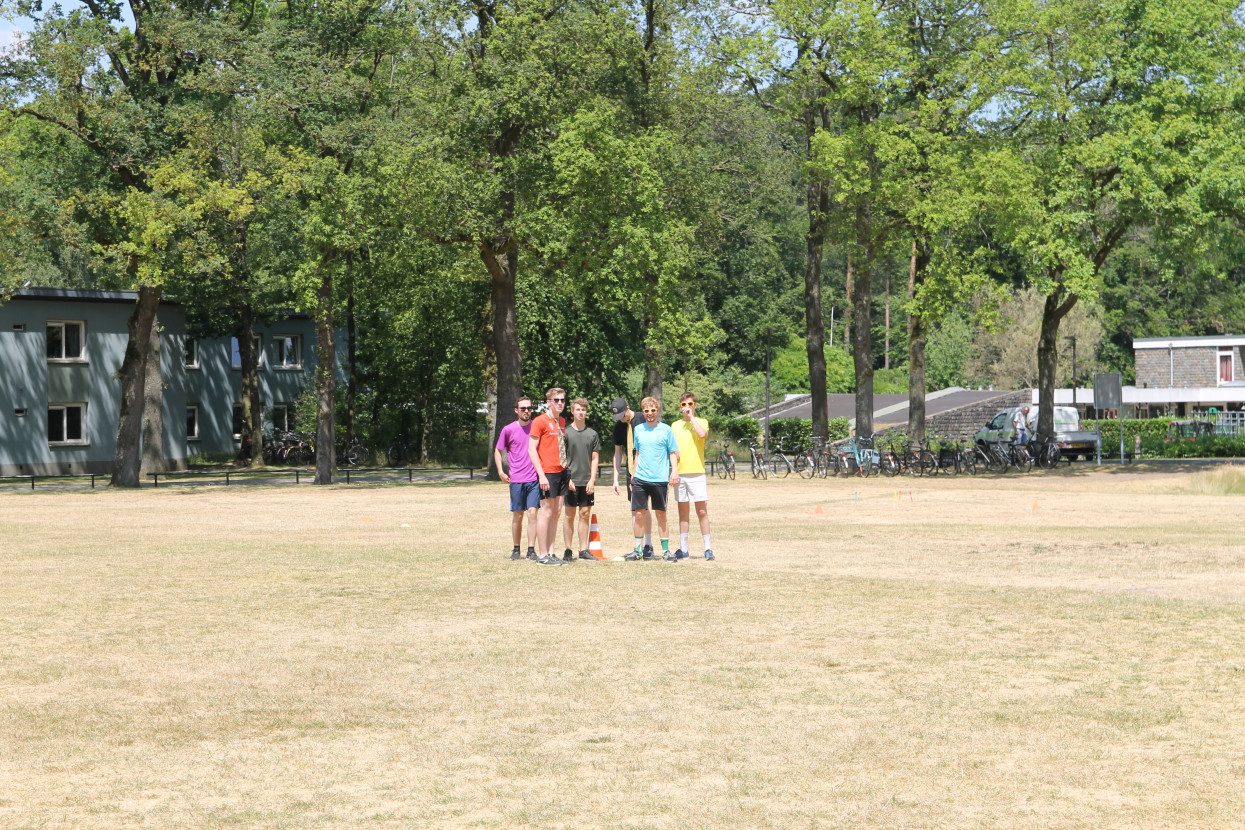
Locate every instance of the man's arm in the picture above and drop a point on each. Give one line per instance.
(674, 468)
(592, 473)
(533, 442)
(501, 471)
(701, 432)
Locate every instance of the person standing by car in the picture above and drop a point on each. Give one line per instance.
(1020, 423)
(524, 492)
(583, 455)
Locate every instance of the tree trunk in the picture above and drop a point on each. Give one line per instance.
(847, 308)
(862, 336)
(252, 418)
(153, 405)
(352, 384)
(503, 266)
(886, 324)
(916, 349)
(127, 463)
(818, 203)
(1053, 311)
(326, 380)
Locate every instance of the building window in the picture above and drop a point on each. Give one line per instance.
(66, 424)
(236, 353)
(66, 340)
(237, 422)
(192, 422)
(192, 353)
(288, 351)
(281, 417)
(1225, 365)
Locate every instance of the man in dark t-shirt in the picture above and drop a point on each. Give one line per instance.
(583, 452)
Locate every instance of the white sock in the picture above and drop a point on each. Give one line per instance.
(707, 545)
(648, 539)
(682, 541)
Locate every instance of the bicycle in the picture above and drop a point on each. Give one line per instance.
(352, 453)
(399, 453)
(787, 465)
(758, 462)
(1046, 452)
(726, 463)
(806, 463)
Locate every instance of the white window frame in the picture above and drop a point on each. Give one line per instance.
(1225, 351)
(279, 351)
(192, 407)
(235, 344)
(190, 354)
(81, 324)
(63, 408)
(286, 408)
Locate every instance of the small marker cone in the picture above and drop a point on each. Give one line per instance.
(594, 539)
(819, 510)
(1035, 504)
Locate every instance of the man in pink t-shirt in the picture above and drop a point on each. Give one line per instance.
(524, 487)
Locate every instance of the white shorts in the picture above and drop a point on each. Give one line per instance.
(692, 488)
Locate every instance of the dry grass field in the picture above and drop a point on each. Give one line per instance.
(1060, 650)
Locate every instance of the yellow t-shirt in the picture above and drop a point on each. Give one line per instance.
(691, 446)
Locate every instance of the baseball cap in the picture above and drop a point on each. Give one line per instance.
(619, 408)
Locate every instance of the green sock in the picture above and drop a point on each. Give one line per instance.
(665, 545)
(638, 541)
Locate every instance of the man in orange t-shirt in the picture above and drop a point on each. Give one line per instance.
(544, 448)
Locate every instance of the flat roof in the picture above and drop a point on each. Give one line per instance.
(93, 295)
(888, 409)
(1188, 342)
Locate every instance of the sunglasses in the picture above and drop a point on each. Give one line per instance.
(524, 408)
(559, 400)
(687, 403)
(649, 411)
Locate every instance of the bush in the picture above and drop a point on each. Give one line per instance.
(798, 432)
(740, 430)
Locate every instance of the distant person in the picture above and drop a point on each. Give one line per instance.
(656, 470)
(546, 446)
(690, 433)
(522, 478)
(1020, 423)
(583, 453)
(624, 454)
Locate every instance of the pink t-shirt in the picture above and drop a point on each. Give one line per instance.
(513, 441)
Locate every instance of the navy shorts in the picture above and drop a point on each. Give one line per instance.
(524, 495)
(642, 491)
(579, 497)
(557, 485)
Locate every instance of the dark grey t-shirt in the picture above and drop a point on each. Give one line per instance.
(580, 445)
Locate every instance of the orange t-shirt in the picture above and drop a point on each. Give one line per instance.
(544, 431)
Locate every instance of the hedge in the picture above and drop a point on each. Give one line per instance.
(796, 432)
(1153, 431)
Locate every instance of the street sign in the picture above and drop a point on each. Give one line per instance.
(1108, 391)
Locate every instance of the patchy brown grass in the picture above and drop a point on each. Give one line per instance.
(1056, 650)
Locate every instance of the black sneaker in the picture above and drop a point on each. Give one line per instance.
(634, 556)
(681, 554)
(514, 554)
(531, 554)
(568, 556)
(583, 554)
(549, 560)
(648, 552)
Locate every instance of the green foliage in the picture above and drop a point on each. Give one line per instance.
(798, 432)
(890, 381)
(739, 430)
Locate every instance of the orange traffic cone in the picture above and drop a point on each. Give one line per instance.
(594, 539)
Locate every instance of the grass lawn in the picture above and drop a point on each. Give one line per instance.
(1057, 650)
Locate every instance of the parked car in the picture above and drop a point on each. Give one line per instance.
(1188, 430)
(1073, 441)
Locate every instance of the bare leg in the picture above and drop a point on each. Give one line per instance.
(661, 524)
(585, 517)
(685, 516)
(516, 526)
(531, 526)
(547, 524)
(569, 527)
(702, 513)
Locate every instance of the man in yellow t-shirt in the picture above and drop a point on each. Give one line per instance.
(690, 433)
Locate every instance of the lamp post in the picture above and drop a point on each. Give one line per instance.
(768, 331)
(1072, 338)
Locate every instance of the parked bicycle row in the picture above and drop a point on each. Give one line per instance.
(893, 455)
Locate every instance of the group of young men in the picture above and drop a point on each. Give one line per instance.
(550, 464)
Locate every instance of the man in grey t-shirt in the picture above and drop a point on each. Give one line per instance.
(583, 451)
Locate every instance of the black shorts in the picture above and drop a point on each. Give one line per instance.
(557, 485)
(579, 497)
(642, 491)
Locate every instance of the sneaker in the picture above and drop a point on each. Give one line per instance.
(549, 560)
(514, 555)
(583, 554)
(671, 556)
(682, 554)
(568, 556)
(634, 556)
(648, 552)
(531, 554)
(709, 555)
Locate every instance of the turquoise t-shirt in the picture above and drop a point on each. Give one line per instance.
(653, 446)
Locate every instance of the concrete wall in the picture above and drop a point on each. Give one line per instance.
(968, 419)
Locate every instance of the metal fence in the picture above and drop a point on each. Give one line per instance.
(1230, 423)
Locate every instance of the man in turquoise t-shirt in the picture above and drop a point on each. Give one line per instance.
(656, 469)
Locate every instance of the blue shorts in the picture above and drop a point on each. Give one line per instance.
(524, 495)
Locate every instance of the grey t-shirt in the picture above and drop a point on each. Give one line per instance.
(580, 445)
